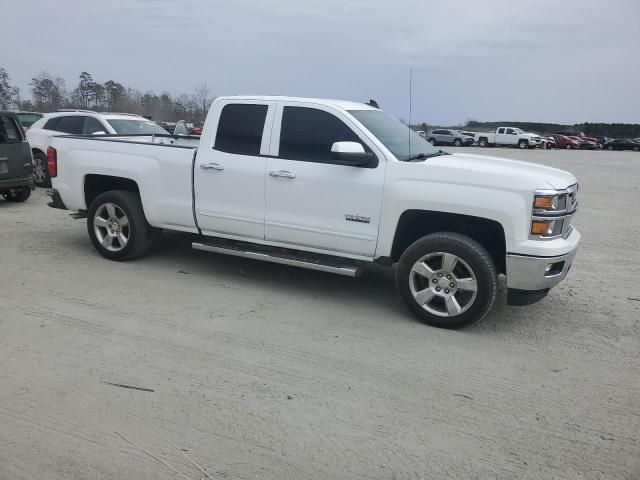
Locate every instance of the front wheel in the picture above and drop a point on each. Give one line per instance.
(457, 143)
(523, 144)
(117, 226)
(447, 279)
(432, 141)
(17, 195)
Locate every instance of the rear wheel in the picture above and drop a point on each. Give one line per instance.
(447, 279)
(457, 142)
(635, 149)
(117, 226)
(17, 195)
(610, 147)
(483, 142)
(41, 170)
(568, 147)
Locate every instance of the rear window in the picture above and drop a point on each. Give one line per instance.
(136, 126)
(72, 124)
(51, 124)
(9, 131)
(240, 128)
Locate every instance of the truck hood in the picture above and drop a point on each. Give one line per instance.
(504, 171)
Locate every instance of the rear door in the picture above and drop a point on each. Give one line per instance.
(312, 202)
(230, 170)
(15, 155)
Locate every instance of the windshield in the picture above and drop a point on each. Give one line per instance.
(135, 126)
(28, 119)
(399, 139)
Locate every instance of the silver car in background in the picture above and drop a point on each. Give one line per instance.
(448, 137)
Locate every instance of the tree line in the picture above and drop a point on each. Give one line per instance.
(48, 94)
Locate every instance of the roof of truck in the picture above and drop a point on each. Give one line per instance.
(344, 104)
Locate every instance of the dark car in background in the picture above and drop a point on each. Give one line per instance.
(443, 136)
(16, 180)
(28, 118)
(622, 144)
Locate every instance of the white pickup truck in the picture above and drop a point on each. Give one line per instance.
(508, 137)
(330, 185)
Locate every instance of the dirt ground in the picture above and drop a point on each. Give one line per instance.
(266, 371)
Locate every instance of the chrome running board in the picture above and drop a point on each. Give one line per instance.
(322, 263)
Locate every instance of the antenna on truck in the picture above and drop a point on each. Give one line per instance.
(410, 103)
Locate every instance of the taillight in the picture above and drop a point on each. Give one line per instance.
(52, 161)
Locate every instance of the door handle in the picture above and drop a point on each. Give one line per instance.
(282, 173)
(211, 166)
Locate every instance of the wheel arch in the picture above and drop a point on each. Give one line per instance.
(96, 184)
(414, 224)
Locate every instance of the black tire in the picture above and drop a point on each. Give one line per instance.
(568, 147)
(140, 233)
(17, 196)
(457, 142)
(466, 249)
(609, 147)
(635, 149)
(41, 178)
(432, 141)
(483, 142)
(523, 144)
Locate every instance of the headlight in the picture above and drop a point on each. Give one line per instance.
(552, 211)
(549, 203)
(547, 228)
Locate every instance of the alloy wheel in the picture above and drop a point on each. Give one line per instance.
(111, 227)
(443, 284)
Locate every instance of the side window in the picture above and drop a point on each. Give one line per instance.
(501, 130)
(72, 124)
(240, 128)
(51, 123)
(447, 132)
(9, 131)
(307, 134)
(510, 131)
(92, 125)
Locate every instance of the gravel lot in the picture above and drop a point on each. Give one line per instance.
(271, 372)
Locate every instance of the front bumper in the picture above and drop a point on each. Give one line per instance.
(526, 272)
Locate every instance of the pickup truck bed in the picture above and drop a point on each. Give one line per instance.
(165, 163)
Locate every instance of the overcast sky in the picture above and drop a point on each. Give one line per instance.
(555, 60)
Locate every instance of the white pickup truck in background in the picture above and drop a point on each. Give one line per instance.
(508, 137)
(330, 185)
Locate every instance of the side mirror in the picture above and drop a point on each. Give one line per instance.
(351, 154)
(99, 132)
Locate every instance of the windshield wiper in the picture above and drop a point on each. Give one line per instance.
(424, 156)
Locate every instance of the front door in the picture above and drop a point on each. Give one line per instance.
(311, 202)
(230, 170)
